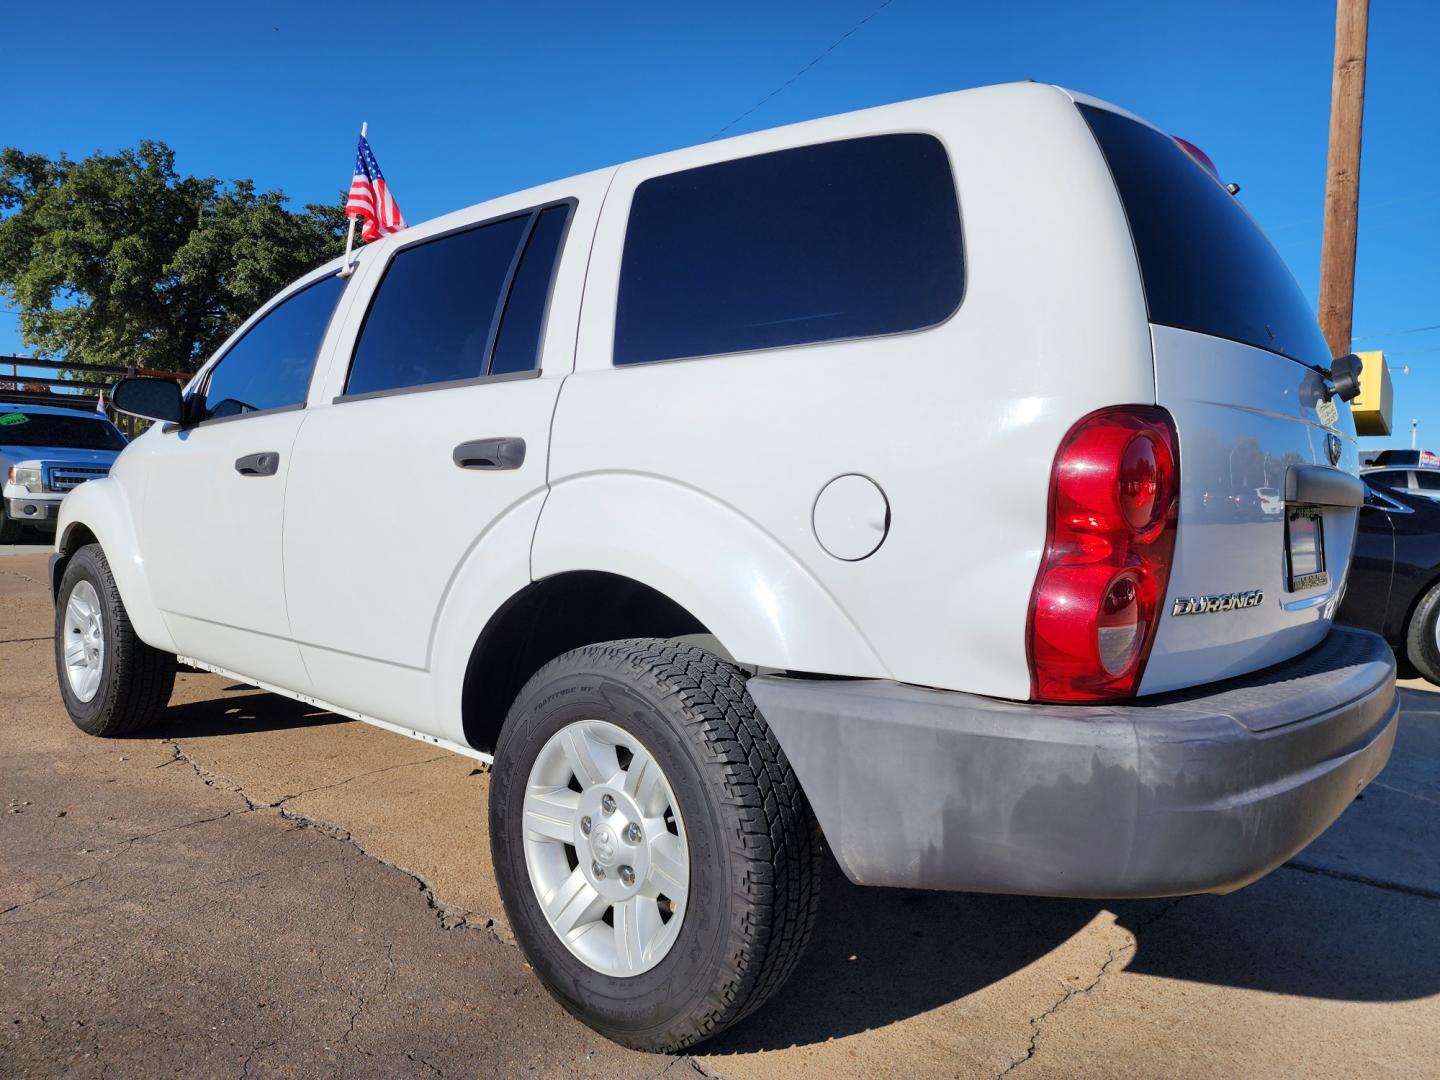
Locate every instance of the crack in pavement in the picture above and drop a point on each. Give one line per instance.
(451, 917)
(1361, 879)
(124, 847)
(1037, 1023)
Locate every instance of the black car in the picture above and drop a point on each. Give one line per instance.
(1394, 584)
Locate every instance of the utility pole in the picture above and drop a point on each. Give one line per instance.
(1342, 174)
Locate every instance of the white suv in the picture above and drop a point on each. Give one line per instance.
(885, 482)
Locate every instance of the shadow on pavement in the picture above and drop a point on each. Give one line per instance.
(883, 955)
(879, 956)
(241, 712)
(1318, 928)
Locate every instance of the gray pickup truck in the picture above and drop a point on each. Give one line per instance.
(46, 451)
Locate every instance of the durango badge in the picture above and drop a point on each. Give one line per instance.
(1205, 605)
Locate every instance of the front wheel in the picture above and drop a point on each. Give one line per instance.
(10, 529)
(111, 681)
(1422, 638)
(657, 858)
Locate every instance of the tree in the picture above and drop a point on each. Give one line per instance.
(118, 259)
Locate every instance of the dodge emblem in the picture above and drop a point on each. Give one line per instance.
(1332, 448)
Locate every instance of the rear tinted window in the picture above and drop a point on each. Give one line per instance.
(1206, 265)
(47, 429)
(840, 240)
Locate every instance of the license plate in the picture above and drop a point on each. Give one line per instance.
(1305, 548)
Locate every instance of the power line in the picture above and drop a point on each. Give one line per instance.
(1393, 333)
(833, 46)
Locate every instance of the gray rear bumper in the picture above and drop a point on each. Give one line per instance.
(1203, 790)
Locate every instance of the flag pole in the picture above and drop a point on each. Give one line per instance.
(348, 269)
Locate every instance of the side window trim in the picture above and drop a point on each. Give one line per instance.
(496, 316)
(199, 394)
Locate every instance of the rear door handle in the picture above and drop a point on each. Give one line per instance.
(262, 464)
(502, 453)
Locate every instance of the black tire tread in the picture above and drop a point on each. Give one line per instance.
(141, 677)
(1420, 644)
(773, 837)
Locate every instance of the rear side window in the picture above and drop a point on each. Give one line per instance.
(1399, 478)
(1205, 263)
(839, 240)
(1427, 481)
(269, 368)
(462, 306)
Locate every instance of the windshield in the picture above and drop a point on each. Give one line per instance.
(47, 429)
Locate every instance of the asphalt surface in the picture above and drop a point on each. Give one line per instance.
(258, 889)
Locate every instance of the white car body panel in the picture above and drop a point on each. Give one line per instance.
(764, 432)
(362, 577)
(386, 461)
(1227, 451)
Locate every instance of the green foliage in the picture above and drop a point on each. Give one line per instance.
(118, 259)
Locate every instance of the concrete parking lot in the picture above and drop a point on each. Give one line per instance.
(260, 889)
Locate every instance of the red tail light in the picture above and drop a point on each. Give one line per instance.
(1114, 501)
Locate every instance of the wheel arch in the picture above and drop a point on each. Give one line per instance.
(550, 617)
(97, 512)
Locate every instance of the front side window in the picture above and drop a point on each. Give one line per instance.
(839, 240)
(461, 306)
(269, 368)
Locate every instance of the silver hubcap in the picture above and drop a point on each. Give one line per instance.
(605, 848)
(84, 641)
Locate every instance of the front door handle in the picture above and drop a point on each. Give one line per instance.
(503, 453)
(262, 464)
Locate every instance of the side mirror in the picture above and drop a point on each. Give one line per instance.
(152, 399)
(1345, 375)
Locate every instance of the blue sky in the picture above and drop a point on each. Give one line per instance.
(467, 101)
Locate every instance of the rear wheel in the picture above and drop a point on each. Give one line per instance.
(657, 859)
(112, 683)
(1422, 639)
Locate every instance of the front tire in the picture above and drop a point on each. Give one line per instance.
(112, 683)
(636, 786)
(10, 529)
(1422, 638)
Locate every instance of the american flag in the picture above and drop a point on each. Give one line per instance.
(370, 197)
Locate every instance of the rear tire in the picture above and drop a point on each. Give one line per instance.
(751, 849)
(112, 683)
(1422, 637)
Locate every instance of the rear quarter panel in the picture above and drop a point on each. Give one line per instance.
(957, 424)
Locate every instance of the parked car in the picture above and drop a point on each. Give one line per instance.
(712, 551)
(1394, 586)
(1272, 501)
(1423, 483)
(46, 451)
(1379, 459)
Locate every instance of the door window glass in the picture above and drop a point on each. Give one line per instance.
(270, 367)
(434, 310)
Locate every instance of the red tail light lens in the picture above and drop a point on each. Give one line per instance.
(1114, 503)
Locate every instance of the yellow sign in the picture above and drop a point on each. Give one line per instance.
(1371, 409)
